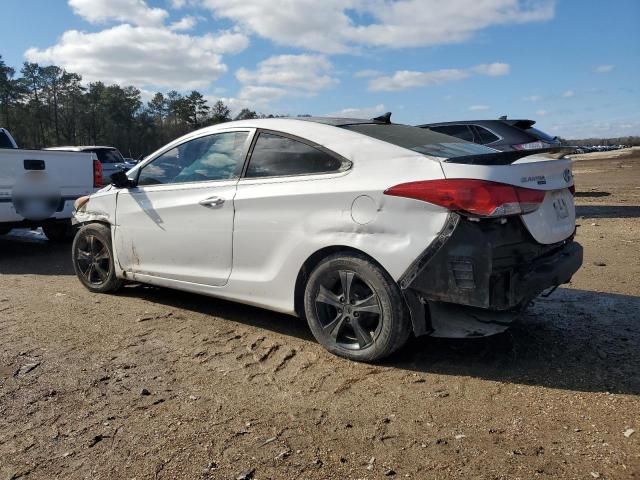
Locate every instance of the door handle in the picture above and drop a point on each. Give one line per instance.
(211, 202)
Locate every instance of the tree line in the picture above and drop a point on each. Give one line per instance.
(46, 106)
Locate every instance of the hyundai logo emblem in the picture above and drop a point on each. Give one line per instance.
(567, 175)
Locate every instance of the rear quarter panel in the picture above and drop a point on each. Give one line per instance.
(281, 222)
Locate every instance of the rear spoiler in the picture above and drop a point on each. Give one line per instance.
(507, 158)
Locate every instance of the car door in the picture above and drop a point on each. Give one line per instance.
(177, 222)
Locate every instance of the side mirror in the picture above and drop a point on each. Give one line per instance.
(120, 180)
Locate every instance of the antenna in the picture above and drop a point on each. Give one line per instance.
(386, 118)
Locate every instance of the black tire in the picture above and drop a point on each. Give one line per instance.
(59, 232)
(4, 230)
(368, 321)
(93, 259)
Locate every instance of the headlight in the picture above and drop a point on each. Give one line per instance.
(80, 202)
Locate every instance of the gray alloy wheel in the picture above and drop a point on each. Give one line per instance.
(93, 259)
(348, 309)
(354, 309)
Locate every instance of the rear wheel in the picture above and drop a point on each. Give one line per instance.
(93, 259)
(59, 232)
(354, 309)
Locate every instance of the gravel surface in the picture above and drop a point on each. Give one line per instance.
(158, 384)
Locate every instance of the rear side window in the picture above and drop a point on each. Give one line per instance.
(485, 136)
(462, 132)
(275, 155)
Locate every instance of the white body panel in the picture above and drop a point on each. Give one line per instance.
(65, 177)
(252, 249)
(163, 231)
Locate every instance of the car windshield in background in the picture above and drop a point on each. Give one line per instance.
(420, 140)
(108, 155)
(4, 141)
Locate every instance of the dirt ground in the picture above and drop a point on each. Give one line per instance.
(158, 384)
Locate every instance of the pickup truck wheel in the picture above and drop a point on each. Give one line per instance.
(59, 232)
(354, 309)
(93, 259)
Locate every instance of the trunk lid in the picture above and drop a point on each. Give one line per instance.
(555, 219)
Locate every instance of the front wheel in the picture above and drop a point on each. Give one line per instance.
(93, 259)
(354, 309)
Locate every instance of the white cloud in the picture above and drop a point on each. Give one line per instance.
(568, 93)
(308, 73)
(331, 26)
(532, 98)
(492, 69)
(184, 24)
(364, 112)
(479, 108)
(367, 73)
(541, 113)
(406, 79)
(603, 68)
(131, 11)
(253, 97)
(142, 56)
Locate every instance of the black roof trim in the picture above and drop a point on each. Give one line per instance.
(339, 121)
(521, 121)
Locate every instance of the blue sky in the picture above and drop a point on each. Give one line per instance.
(572, 65)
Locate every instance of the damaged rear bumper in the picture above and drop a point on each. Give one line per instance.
(481, 275)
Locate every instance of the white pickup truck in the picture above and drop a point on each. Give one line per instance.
(38, 187)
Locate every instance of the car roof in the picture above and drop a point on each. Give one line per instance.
(340, 121)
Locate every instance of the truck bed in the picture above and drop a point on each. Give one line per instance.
(38, 185)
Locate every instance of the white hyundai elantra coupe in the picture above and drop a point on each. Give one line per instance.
(369, 230)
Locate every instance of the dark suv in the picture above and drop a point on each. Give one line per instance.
(502, 134)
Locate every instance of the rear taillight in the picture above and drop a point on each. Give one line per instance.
(97, 174)
(480, 198)
(531, 146)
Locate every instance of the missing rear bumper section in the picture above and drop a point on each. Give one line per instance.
(481, 275)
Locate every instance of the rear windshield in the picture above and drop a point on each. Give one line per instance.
(4, 141)
(420, 140)
(540, 134)
(108, 155)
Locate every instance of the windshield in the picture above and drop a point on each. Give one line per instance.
(4, 140)
(420, 140)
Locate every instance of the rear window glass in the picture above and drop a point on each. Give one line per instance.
(458, 131)
(107, 155)
(540, 134)
(420, 140)
(4, 141)
(485, 136)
